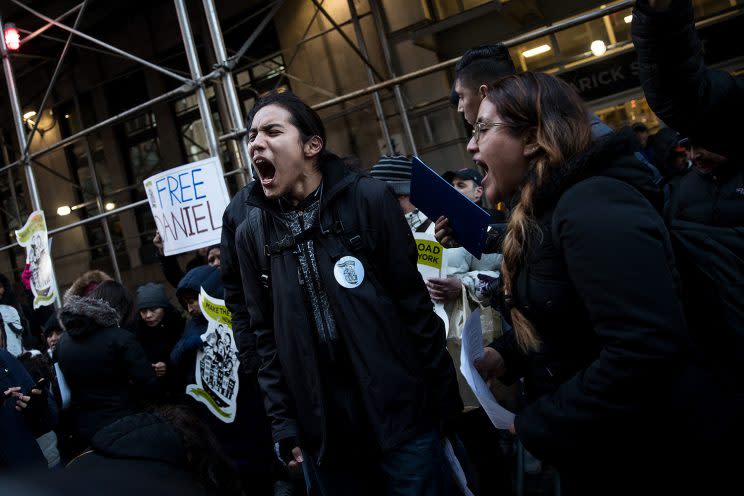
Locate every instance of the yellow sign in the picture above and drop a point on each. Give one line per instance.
(216, 312)
(429, 253)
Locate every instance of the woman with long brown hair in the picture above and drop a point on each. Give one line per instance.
(590, 289)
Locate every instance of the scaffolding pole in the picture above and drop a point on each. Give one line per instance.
(15, 106)
(111, 120)
(233, 61)
(201, 93)
(532, 35)
(190, 85)
(382, 35)
(99, 199)
(228, 83)
(370, 77)
(103, 215)
(351, 44)
(101, 43)
(48, 25)
(22, 145)
(53, 80)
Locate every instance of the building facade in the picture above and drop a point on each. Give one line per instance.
(314, 48)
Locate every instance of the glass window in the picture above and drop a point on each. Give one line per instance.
(243, 78)
(628, 113)
(268, 68)
(195, 141)
(707, 8)
(576, 42)
(144, 159)
(139, 124)
(620, 23)
(534, 54)
(191, 102)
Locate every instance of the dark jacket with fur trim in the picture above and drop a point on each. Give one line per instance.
(600, 287)
(105, 367)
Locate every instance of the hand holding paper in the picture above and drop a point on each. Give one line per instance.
(472, 351)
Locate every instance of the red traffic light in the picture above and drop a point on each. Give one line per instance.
(12, 37)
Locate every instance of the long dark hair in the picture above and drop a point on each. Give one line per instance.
(538, 103)
(118, 297)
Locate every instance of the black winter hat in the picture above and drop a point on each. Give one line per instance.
(151, 295)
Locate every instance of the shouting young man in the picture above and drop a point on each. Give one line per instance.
(358, 383)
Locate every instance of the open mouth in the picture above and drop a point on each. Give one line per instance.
(266, 170)
(482, 167)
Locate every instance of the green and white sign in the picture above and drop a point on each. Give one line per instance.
(33, 237)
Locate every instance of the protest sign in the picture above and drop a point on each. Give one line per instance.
(217, 363)
(33, 237)
(431, 262)
(187, 203)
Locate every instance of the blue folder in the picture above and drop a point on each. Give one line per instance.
(436, 197)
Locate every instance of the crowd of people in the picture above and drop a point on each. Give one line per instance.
(609, 297)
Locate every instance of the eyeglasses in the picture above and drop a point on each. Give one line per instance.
(481, 126)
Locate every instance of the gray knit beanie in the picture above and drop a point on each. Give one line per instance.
(394, 170)
(151, 295)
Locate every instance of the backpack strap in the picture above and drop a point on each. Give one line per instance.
(258, 221)
(346, 225)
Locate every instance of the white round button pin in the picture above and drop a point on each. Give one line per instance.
(349, 272)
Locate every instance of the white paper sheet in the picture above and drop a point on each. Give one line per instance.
(472, 350)
(457, 470)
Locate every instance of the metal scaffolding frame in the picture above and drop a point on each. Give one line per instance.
(194, 84)
(222, 74)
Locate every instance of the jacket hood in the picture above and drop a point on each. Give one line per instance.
(612, 156)
(82, 315)
(86, 283)
(141, 436)
(205, 277)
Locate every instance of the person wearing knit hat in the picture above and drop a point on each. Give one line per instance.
(52, 331)
(159, 326)
(151, 295)
(396, 171)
